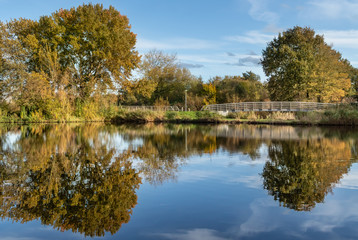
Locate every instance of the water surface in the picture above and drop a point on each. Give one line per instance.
(76, 181)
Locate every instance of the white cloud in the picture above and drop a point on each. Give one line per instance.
(332, 9)
(349, 181)
(200, 58)
(332, 214)
(175, 43)
(258, 11)
(254, 181)
(341, 38)
(261, 219)
(194, 234)
(326, 218)
(191, 65)
(252, 37)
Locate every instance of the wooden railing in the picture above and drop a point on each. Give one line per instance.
(152, 108)
(269, 107)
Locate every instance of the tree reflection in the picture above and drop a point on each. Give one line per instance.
(76, 177)
(301, 173)
(86, 188)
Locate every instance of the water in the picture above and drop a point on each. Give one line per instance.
(222, 182)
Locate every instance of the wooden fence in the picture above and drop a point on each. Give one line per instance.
(269, 107)
(152, 108)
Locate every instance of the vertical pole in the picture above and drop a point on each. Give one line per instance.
(186, 107)
(186, 139)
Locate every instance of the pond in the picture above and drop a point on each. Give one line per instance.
(215, 182)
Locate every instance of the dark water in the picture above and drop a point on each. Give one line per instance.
(178, 182)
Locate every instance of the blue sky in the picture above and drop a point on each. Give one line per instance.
(217, 37)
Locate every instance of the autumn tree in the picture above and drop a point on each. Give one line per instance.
(161, 76)
(81, 52)
(239, 88)
(301, 173)
(66, 177)
(301, 66)
(209, 93)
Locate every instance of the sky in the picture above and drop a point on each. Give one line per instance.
(217, 37)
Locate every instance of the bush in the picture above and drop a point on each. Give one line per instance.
(282, 116)
(244, 115)
(139, 115)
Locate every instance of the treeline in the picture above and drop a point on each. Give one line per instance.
(82, 63)
(79, 63)
(69, 64)
(163, 81)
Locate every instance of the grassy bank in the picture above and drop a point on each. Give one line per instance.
(342, 116)
(347, 115)
(168, 116)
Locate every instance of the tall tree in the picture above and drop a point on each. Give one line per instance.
(301, 66)
(92, 45)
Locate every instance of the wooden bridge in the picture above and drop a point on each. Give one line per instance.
(269, 107)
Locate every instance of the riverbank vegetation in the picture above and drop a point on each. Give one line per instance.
(343, 115)
(79, 65)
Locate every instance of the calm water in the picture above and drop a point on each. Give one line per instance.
(178, 182)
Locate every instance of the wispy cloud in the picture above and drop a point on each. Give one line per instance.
(202, 58)
(247, 61)
(252, 53)
(194, 234)
(175, 43)
(349, 181)
(254, 181)
(266, 216)
(332, 9)
(258, 11)
(190, 65)
(230, 54)
(251, 37)
(341, 38)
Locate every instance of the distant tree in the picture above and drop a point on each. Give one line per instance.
(301, 66)
(239, 89)
(249, 75)
(160, 77)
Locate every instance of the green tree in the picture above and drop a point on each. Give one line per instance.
(301, 66)
(249, 75)
(239, 89)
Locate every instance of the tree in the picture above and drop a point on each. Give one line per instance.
(160, 77)
(301, 66)
(92, 45)
(239, 89)
(209, 93)
(249, 75)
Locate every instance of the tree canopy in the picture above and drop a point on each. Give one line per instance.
(300, 66)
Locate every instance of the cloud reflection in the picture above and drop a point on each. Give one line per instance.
(194, 234)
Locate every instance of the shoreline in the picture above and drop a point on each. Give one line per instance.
(192, 121)
(242, 121)
(346, 117)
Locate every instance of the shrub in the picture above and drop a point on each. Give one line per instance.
(282, 116)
